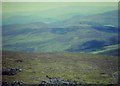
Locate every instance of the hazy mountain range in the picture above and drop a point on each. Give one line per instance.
(97, 33)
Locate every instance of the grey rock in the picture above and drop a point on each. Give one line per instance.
(10, 71)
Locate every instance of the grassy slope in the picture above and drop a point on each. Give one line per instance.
(83, 68)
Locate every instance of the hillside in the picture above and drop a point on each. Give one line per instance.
(79, 67)
(53, 43)
(76, 34)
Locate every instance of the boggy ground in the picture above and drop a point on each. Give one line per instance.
(78, 67)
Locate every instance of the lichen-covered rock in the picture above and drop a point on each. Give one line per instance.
(56, 81)
(10, 71)
(16, 83)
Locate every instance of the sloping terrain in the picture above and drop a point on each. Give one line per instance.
(60, 43)
(79, 67)
(77, 34)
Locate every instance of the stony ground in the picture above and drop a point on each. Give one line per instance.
(79, 68)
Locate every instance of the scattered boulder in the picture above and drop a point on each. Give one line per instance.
(16, 83)
(43, 83)
(4, 83)
(57, 81)
(10, 71)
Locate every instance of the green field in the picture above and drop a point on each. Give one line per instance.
(80, 67)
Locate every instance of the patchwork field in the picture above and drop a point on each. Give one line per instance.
(79, 67)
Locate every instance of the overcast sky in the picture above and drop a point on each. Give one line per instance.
(41, 6)
(32, 11)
